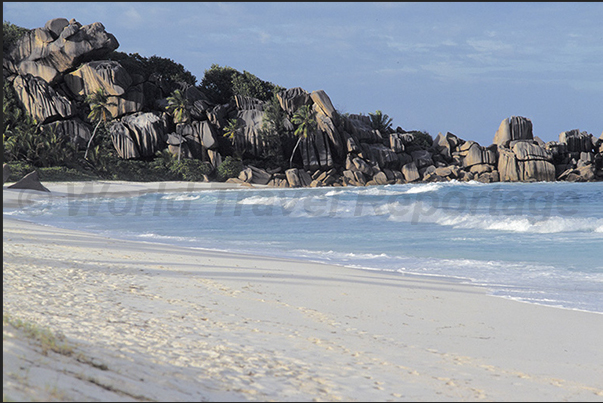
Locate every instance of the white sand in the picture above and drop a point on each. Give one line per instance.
(178, 324)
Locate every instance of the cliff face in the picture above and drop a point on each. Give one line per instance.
(54, 68)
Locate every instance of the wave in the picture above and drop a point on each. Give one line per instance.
(180, 197)
(418, 213)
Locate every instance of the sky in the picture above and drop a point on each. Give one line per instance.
(438, 67)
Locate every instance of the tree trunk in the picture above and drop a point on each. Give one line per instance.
(299, 139)
(180, 147)
(90, 141)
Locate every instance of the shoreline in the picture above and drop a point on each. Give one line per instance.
(176, 323)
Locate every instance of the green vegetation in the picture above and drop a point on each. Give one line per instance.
(221, 84)
(274, 133)
(422, 139)
(28, 146)
(160, 66)
(380, 121)
(42, 336)
(229, 168)
(99, 112)
(10, 35)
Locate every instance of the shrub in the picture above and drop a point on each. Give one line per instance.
(422, 139)
(190, 170)
(229, 168)
(221, 84)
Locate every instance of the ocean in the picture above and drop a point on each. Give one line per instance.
(538, 243)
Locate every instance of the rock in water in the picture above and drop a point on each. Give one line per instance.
(30, 182)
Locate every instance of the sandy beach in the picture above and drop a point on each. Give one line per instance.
(152, 322)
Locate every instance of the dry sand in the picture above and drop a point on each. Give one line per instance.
(158, 322)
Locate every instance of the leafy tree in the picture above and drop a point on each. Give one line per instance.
(170, 69)
(217, 83)
(11, 33)
(99, 112)
(306, 125)
(248, 85)
(221, 84)
(422, 139)
(380, 121)
(167, 68)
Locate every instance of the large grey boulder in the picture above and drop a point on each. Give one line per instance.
(250, 120)
(446, 144)
(293, 177)
(130, 102)
(41, 101)
(410, 172)
(422, 158)
(513, 128)
(360, 128)
(248, 103)
(58, 47)
(149, 131)
(536, 170)
(140, 134)
(577, 141)
(122, 140)
(207, 134)
(293, 99)
(326, 125)
(316, 152)
(383, 156)
(255, 175)
(477, 155)
(78, 132)
(526, 162)
(360, 165)
(507, 165)
(105, 74)
(526, 150)
(323, 102)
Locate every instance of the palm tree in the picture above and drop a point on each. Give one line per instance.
(230, 130)
(306, 125)
(179, 107)
(380, 121)
(99, 112)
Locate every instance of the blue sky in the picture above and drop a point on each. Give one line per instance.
(458, 67)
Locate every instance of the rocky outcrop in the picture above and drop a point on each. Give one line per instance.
(60, 46)
(75, 129)
(54, 68)
(140, 134)
(577, 141)
(41, 100)
(105, 74)
(526, 161)
(255, 175)
(294, 98)
(513, 128)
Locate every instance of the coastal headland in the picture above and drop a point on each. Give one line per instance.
(111, 107)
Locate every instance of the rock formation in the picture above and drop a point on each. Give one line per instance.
(55, 67)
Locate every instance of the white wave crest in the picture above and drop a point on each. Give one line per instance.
(180, 197)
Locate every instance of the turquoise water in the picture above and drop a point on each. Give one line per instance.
(534, 242)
